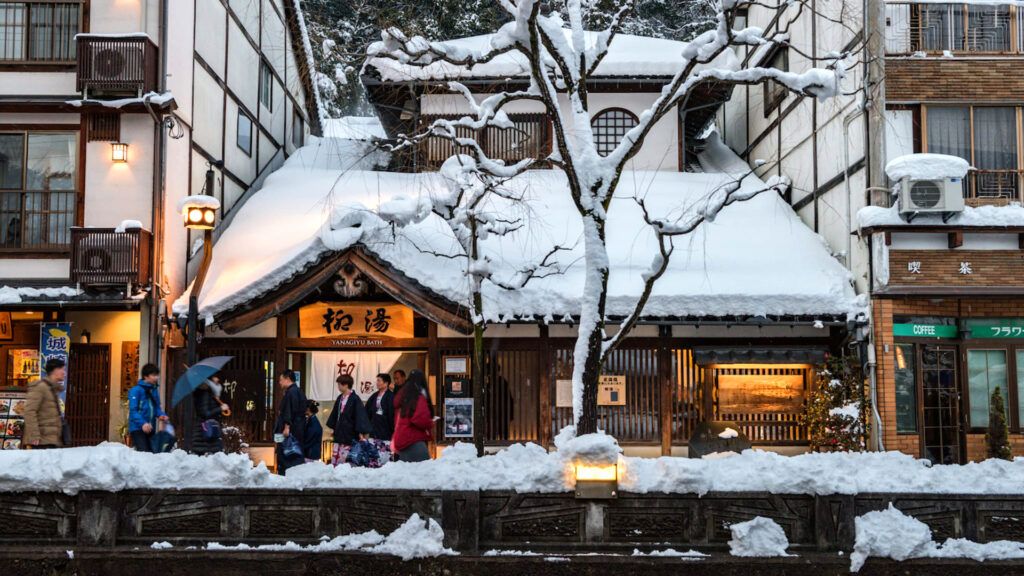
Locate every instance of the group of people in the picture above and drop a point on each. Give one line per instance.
(397, 420)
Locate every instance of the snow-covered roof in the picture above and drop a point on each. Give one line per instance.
(628, 56)
(757, 258)
(1011, 216)
(926, 167)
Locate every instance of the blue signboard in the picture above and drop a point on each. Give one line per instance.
(54, 342)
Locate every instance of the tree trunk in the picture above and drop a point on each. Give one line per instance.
(588, 352)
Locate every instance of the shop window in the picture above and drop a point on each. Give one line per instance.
(986, 371)
(906, 389)
(38, 190)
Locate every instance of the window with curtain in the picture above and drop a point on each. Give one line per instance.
(995, 138)
(38, 189)
(39, 31)
(949, 131)
(1020, 386)
(906, 389)
(986, 371)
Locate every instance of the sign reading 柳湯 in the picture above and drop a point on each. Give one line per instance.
(355, 320)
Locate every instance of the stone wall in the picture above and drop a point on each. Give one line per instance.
(479, 521)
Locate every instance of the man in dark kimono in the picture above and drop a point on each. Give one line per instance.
(291, 414)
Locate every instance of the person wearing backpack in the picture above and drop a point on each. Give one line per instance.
(207, 410)
(144, 411)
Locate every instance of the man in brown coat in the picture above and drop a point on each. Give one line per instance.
(43, 418)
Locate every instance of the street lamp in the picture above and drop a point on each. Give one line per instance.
(199, 213)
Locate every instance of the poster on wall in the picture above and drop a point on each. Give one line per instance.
(458, 417)
(563, 393)
(611, 390)
(12, 419)
(55, 343)
(760, 393)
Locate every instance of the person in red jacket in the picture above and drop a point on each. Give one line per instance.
(414, 423)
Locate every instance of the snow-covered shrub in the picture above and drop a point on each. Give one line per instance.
(997, 437)
(836, 409)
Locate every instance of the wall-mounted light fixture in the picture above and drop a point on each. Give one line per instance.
(118, 152)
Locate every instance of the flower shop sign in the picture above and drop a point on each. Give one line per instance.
(355, 320)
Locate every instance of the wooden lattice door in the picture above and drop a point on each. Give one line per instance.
(88, 398)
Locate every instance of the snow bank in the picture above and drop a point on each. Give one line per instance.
(926, 167)
(758, 538)
(875, 216)
(354, 128)
(15, 295)
(670, 553)
(520, 467)
(892, 534)
(757, 257)
(416, 538)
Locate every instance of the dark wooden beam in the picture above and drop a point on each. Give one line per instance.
(956, 239)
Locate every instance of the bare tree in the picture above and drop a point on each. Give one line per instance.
(561, 57)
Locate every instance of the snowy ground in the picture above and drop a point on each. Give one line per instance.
(521, 467)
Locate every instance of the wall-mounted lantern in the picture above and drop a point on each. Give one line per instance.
(118, 152)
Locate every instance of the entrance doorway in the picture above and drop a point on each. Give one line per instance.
(88, 398)
(942, 439)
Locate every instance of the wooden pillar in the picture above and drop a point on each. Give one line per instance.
(665, 383)
(544, 387)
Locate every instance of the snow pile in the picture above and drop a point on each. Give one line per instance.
(354, 128)
(926, 167)
(15, 295)
(113, 467)
(877, 216)
(756, 258)
(416, 538)
(728, 433)
(628, 55)
(670, 553)
(127, 225)
(161, 545)
(758, 538)
(892, 534)
(510, 553)
(598, 448)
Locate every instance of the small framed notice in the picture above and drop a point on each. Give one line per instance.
(611, 390)
(456, 365)
(563, 393)
(458, 417)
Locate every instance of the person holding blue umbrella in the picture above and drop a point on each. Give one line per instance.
(144, 409)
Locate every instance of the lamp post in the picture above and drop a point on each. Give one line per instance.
(199, 213)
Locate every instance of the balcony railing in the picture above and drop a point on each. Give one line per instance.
(117, 64)
(984, 186)
(37, 221)
(106, 257)
(529, 137)
(959, 28)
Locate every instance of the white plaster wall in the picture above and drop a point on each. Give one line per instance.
(175, 236)
(248, 12)
(273, 41)
(267, 151)
(899, 133)
(120, 16)
(38, 118)
(210, 21)
(180, 59)
(38, 83)
(659, 152)
(209, 123)
(243, 70)
(235, 159)
(33, 268)
(121, 191)
(274, 120)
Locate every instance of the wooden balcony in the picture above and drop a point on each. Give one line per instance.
(120, 65)
(104, 257)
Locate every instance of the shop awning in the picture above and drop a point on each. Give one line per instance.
(706, 355)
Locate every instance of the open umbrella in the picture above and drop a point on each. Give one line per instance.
(196, 375)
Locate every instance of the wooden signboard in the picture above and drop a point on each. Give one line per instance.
(6, 328)
(355, 320)
(611, 390)
(758, 393)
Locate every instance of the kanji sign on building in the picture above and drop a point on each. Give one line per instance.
(355, 319)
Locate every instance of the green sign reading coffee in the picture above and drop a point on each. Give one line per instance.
(924, 330)
(996, 328)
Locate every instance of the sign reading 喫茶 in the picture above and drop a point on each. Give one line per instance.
(54, 343)
(355, 320)
(996, 328)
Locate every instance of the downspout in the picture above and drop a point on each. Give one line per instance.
(155, 351)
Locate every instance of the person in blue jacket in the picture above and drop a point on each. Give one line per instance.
(144, 409)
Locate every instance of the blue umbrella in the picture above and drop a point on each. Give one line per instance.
(196, 375)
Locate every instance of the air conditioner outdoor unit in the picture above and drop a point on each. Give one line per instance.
(937, 196)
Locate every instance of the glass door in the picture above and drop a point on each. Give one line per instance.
(941, 442)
